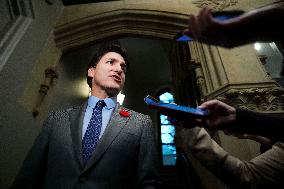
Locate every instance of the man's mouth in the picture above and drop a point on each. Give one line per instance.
(116, 78)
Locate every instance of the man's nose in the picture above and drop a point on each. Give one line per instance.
(118, 69)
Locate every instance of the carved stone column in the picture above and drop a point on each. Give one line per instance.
(187, 91)
(195, 65)
(199, 77)
(207, 64)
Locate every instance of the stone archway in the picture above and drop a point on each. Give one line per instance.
(117, 23)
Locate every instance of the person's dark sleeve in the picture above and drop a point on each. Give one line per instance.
(262, 124)
(262, 24)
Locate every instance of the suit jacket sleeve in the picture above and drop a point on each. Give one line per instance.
(147, 162)
(33, 168)
(257, 123)
(266, 170)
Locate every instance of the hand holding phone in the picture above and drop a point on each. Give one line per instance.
(219, 15)
(175, 111)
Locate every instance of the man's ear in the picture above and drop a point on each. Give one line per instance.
(91, 72)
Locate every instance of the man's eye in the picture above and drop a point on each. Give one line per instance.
(109, 62)
(123, 67)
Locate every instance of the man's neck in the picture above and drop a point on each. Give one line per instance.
(102, 94)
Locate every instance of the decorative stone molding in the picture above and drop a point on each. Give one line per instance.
(199, 76)
(215, 4)
(269, 100)
(200, 82)
(263, 59)
(50, 75)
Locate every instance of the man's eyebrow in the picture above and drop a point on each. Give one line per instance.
(115, 59)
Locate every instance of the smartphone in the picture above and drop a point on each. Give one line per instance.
(174, 110)
(225, 15)
(220, 15)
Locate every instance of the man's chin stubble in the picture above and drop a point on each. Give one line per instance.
(112, 91)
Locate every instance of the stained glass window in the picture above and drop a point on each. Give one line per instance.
(167, 134)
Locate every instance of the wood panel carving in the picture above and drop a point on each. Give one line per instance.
(215, 4)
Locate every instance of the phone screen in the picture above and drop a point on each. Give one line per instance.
(174, 110)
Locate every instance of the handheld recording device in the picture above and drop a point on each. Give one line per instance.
(174, 110)
(220, 15)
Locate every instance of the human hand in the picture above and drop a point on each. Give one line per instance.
(205, 28)
(202, 26)
(220, 114)
(199, 25)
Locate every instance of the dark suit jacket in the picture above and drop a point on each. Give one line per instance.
(125, 156)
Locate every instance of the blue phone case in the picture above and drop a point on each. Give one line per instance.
(174, 108)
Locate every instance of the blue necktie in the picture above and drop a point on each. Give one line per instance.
(91, 137)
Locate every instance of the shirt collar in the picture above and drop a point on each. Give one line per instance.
(110, 102)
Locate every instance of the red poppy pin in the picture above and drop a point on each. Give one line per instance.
(124, 113)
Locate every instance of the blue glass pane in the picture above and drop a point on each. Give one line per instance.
(167, 138)
(169, 160)
(164, 120)
(166, 97)
(168, 149)
(168, 129)
(167, 134)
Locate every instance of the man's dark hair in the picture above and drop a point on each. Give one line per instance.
(101, 52)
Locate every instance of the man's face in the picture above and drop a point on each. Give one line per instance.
(109, 74)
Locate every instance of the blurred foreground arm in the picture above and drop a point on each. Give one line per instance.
(263, 171)
(257, 25)
(232, 120)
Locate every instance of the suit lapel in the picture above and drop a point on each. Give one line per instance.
(115, 125)
(76, 120)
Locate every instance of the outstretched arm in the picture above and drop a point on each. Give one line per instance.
(232, 120)
(257, 25)
(261, 172)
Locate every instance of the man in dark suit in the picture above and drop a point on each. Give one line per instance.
(98, 145)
